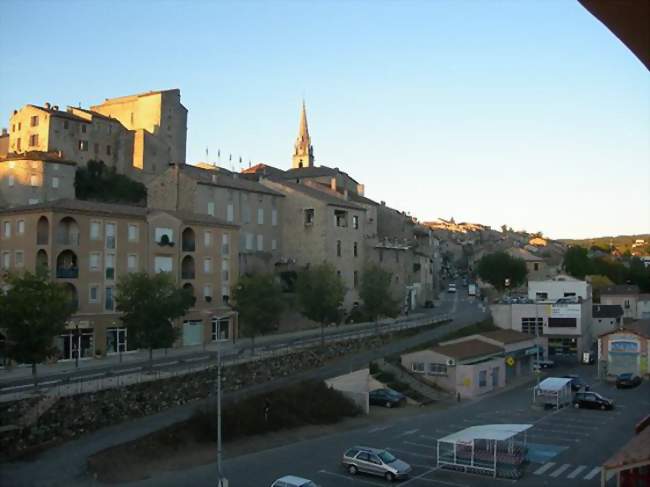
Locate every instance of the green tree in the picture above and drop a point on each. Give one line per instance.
(375, 293)
(33, 312)
(598, 283)
(149, 306)
(577, 262)
(320, 295)
(495, 268)
(98, 182)
(258, 300)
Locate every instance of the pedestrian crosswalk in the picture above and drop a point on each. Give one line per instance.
(567, 470)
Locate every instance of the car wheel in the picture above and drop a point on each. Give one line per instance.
(389, 476)
(389, 404)
(352, 469)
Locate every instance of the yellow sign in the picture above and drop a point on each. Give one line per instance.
(510, 360)
(467, 382)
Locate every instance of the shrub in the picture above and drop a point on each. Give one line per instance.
(98, 182)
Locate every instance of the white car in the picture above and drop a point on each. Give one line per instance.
(451, 288)
(293, 481)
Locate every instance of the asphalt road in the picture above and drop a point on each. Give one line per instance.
(566, 447)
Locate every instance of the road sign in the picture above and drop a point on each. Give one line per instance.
(510, 360)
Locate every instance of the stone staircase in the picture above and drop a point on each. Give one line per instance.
(415, 383)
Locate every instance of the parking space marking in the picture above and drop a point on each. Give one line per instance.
(544, 468)
(560, 470)
(532, 435)
(379, 428)
(572, 433)
(576, 472)
(433, 447)
(409, 432)
(592, 474)
(435, 481)
(350, 478)
(407, 452)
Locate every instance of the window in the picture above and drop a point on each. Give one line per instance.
(437, 369)
(562, 322)
(83, 128)
(55, 166)
(207, 265)
(536, 266)
(541, 296)
(18, 143)
(260, 243)
(528, 326)
(20, 258)
(207, 239)
(134, 232)
(164, 236)
(6, 260)
(355, 249)
(338, 274)
(626, 304)
(220, 328)
(109, 229)
(482, 378)
(33, 140)
(338, 248)
(207, 292)
(162, 264)
(83, 145)
(274, 217)
(20, 227)
(309, 216)
(341, 218)
(10, 180)
(246, 211)
(33, 180)
(356, 279)
(568, 295)
(96, 148)
(230, 212)
(33, 201)
(396, 255)
(95, 230)
(20, 126)
(211, 208)
(65, 125)
(274, 244)
(355, 222)
(225, 244)
(132, 262)
(418, 367)
(33, 121)
(110, 266)
(55, 182)
(260, 216)
(93, 294)
(94, 261)
(108, 302)
(225, 270)
(249, 241)
(6, 229)
(108, 150)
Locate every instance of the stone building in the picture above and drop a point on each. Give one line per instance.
(88, 246)
(627, 296)
(257, 209)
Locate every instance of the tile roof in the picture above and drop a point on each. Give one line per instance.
(467, 349)
(620, 289)
(635, 451)
(607, 311)
(507, 336)
(265, 170)
(224, 178)
(321, 195)
(38, 156)
(60, 114)
(362, 199)
(314, 172)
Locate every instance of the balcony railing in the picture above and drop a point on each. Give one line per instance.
(71, 273)
(187, 274)
(68, 239)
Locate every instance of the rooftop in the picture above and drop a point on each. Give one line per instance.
(468, 349)
(321, 195)
(620, 289)
(607, 311)
(220, 177)
(56, 157)
(636, 451)
(314, 171)
(507, 336)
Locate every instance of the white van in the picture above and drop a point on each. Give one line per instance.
(293, 481)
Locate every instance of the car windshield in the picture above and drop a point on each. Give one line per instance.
(390, 392)
(386, 457)
(625, 376)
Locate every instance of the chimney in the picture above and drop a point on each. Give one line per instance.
(383, 203)
(55, 108)
(47, 105)
(333, 184)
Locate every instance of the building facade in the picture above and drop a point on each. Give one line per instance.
(624, 295)
(624, 350)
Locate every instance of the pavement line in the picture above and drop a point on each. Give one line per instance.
(544, 468)
(408, 452)
(544, 430)
(132, 369)
(409, 432)
(435, 481)
(55, 381)
(350, 478)
(379, 428)
(89, 376)
(164, 364)
(23, 386)
(576, 472)
(559, 471)
(419, 444)
(595, 471)
(553, 437)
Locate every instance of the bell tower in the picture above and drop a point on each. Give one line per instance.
(303, 152)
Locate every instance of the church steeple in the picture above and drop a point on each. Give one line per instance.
(303, 152)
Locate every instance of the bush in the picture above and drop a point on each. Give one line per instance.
(98, 182)
(306, 403)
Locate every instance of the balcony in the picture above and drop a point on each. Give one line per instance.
(67, 273)
(188, 240)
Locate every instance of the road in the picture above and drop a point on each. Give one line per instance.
(566, 447)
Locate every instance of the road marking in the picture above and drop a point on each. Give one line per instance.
(427, 437)
(409, 432)
(559, 471)
(595, 471)
(89, 376)
(435, 481)
(544, 430)
(553, 437)
(379, 428)
(544, 468)
(164, 364)
(350, 478)
(55, 381)
(577, 471)
(408, 452)
(419, 444)
(125, 371)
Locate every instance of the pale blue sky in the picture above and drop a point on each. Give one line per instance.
(529, 113)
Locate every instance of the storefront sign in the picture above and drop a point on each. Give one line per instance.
(565, 311)
(623, 346)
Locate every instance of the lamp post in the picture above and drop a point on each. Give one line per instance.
(221, 480)
(538, 371)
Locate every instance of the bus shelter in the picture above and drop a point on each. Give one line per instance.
(553, 391)
(498, 450)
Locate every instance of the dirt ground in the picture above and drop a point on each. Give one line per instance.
(175, 448)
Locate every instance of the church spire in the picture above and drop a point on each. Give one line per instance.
(303, 152)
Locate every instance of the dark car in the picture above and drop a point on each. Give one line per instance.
(592, 400)
(627, 380)
(577, 383)
(387, 397)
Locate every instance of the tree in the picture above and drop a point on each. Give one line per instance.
(598, 283)
(33, 312)
(495, 268)
(577, 262)
(375, 293)
(149, 306)
(320, 294)
(258, 300)
(98, 182)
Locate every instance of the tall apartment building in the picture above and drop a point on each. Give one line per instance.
(88, 246)
(256, 208)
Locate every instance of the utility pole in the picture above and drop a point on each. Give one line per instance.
(539, 367)
(221, 480)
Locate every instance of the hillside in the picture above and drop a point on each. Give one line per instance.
(622, 243)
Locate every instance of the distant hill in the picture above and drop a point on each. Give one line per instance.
(622, 243)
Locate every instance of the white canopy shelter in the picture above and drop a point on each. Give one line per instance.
(492, 449)
(555, 391)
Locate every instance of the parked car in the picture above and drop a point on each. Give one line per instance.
(293, 481)
(577, 383)
(375, 462)
(387, 397)
(592, 400)
(451, 288)
(627, 380)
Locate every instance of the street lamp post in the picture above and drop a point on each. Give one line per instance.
(221, 480)
(538, 371)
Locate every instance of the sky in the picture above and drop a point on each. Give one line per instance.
(531, 114)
